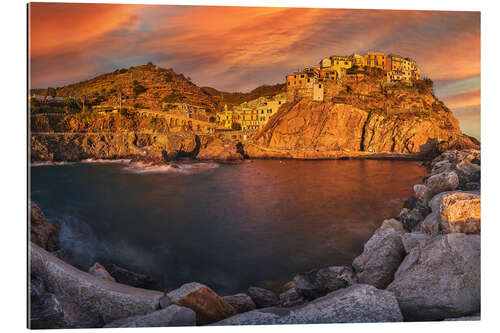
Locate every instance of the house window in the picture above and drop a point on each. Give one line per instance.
(302, 76)
(288, 82)
(320, 86)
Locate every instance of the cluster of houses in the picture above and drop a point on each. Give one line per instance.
(47, 99)
(250, 116)
(310, 82)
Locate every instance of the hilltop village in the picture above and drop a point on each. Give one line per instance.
(321, 83)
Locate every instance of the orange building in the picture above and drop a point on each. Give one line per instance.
(375, 60)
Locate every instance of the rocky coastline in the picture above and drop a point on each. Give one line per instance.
(423, 265)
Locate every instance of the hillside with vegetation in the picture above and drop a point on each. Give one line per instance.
(235, 98)
(145, 86)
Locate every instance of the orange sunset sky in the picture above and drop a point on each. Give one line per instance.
(240, 48)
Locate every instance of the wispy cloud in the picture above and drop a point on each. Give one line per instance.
(239, 48)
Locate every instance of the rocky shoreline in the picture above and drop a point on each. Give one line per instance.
(423, 265)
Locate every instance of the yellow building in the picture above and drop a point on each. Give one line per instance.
(225, 119)
(401, 69)
(247, 117)
(375, 60)
(357, 60)
(325, 63)
(267, 109)
(340, 64)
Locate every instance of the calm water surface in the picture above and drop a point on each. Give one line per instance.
(228, 226)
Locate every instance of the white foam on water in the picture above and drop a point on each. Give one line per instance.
(141, 167)
(103, 161)
(47, 163)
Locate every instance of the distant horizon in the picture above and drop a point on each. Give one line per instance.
(237, 49)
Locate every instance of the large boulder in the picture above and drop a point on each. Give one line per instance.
(355, 304)
(173, 315)
(454, 211)
(319, 282)
(50, 311)
(440, 279)
(358, 303)
(106, 299)
(46, 312)
(125, 276)
(240, 302)
(209, 306)
(444, 181)
(382, 255)
(458, 211)
(42, 232)
(263, 298)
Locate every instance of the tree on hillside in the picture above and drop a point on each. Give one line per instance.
(139, 89)
(50, 92)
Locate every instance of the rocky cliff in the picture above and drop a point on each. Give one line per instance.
(110, 136)
(309, 129)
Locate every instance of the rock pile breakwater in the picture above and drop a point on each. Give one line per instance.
(422, 265)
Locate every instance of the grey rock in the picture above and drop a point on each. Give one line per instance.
(411, 218)
(413, 239)
(445, 181)
(468, 171)
(36, 286)
(441, 279)
(106, 299)
(355, 304)
(290, 297)
(382, 255)
(165, 302)
(173, 315)
(265, 316)
(316, 283)
(125, 276)
(431, 225)
(358, 303)
(61, 254)
(263, 298)
(50, 311)
(241, 302)
(46, 312)
(475, 317)
(441, 166)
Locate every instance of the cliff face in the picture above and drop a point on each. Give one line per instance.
(309, 129)
(110, 136)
